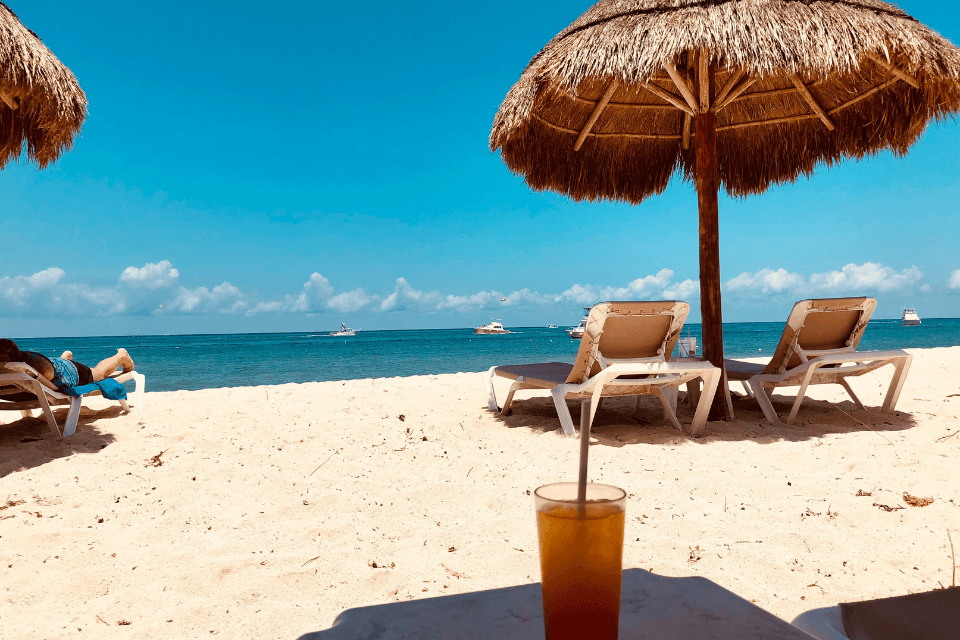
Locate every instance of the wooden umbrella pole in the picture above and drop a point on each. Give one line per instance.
(708, 186)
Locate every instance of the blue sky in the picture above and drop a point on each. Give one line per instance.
(289, 166)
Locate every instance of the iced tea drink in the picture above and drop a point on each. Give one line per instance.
(581, 554)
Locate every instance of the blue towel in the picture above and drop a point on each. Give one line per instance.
(110, 388)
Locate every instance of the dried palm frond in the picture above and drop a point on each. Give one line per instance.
(604, 110)
(42, 107)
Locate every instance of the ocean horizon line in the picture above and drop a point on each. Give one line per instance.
(325, 331)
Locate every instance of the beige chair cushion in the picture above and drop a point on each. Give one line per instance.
(542, 374)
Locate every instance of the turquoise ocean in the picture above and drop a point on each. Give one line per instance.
(189, 362)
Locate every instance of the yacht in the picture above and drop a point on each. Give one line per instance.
(344, 331)
(492, 327)
(577, 332)
(910, 318)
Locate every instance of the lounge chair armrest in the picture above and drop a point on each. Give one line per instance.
(125, 376)
(19, 367)
(857, 356)
(621, 367)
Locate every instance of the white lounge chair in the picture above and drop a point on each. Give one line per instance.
(18, 381)
(624, 351)
(818, 346)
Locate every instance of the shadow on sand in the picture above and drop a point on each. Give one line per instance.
(29, 443)
(651, 606)
(617, 423)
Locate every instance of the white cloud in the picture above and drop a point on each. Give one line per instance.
(954, 281)
(869, 276)
(350, 301)
(683, 290)
(851, 279)
(483, 299)
(316, 291)
(153, 275)
(639, 289)
(525, 296)
(405, 297)
(579, 294)
(766, 281)
(224, 298)
(651, 287)
(146, 288)
(44, 293)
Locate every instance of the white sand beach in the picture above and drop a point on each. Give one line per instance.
(265, 512)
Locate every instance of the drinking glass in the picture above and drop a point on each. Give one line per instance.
(581, 556)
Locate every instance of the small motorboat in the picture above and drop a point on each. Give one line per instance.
(577, 332)
(910, 318)
(551, 326)
(493, 327)
(344, 331)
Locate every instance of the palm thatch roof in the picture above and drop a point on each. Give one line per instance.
(41, 103)
(604, 110)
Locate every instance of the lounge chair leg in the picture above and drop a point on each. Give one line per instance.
(73, 415)
(669, 400)
(764, 401)
(27, 413)
(509, 400)
(45, 406)
(710, 382)
(853, 396)
(801, 393)
(563, 411)
(693, 393)
(899, 376)
(747, 389)
(726, 391)
(673, 397)
(140, 381)
(487, 385)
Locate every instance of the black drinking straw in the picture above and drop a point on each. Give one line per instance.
(584, 451)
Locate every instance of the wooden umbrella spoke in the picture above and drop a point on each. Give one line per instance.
(810, 100)
(624, 105)
(900, 73)
(865, 94)
(601, 105)
(735, 93)
(687, 121)
(757, 123)
(728, 87)
(669, 97)
(612, 134)
(681, 85)
(11, 101)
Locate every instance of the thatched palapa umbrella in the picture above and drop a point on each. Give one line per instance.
(747, 93)
(41, 103)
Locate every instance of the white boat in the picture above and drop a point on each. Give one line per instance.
(910, 318)
(577, 332)
(344, 331)
(492, 327)
(551, 326)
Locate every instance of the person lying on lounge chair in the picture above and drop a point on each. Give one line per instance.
(61, 373)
